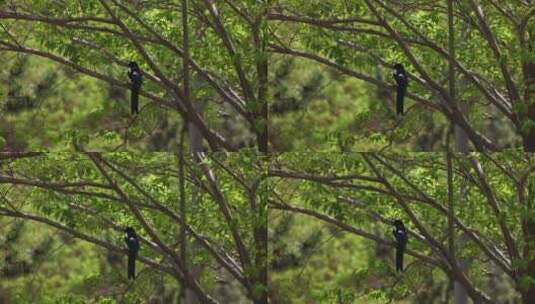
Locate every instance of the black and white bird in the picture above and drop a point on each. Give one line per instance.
(400, 233)
(136, 78)
(132, 242)
(402, 81)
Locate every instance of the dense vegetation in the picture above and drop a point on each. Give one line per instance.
(329, 81)
(204, 64)
(197, 169)
(203, 224)
(471, 66)
(470, 220)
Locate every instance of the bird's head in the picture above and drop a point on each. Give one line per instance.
(129, 230)
(399, 67)
(398, 223)
(133, 64)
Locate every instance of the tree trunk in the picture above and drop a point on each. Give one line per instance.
(261, 106)
(529, 97)
(461, 139)
(528, 296)
(460, 296)
(261, 277)
(260, 234)
(528, 292)
(195, 137)
(188, 295)
(528, 224)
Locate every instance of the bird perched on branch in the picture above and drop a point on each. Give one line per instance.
(136, 77)
(402, 81)
(132, 242)
(400, 233)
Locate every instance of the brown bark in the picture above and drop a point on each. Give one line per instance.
(528, 231)
(528, 227)
(528, 136)
(261, 112)
(260, 276)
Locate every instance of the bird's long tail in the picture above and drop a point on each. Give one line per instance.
(134, 100)
(399, 258)
(132, 266)
(399, 100)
